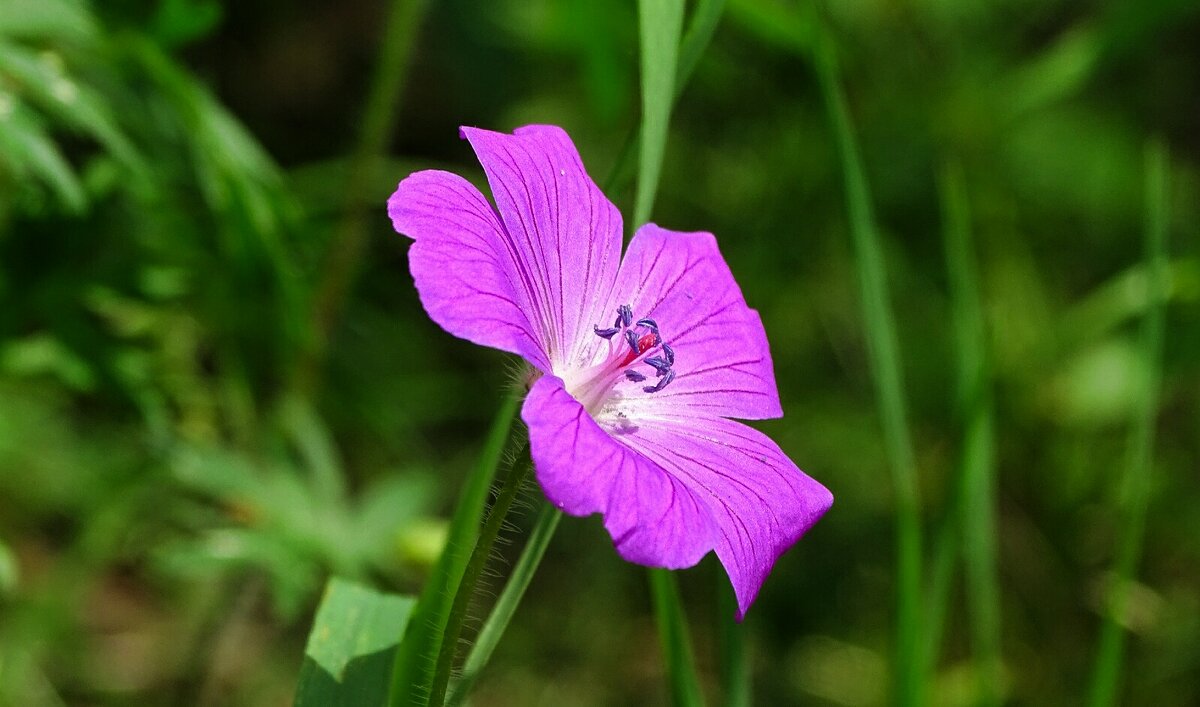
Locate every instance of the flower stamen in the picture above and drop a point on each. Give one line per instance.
(596, 386)
(662, 383)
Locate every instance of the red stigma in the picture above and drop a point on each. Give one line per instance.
(644, 344)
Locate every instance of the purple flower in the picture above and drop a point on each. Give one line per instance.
(643, 359)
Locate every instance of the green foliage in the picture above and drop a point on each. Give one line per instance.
(351, 646)
(187, 450)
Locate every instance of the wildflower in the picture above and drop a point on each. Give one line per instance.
(643, 360)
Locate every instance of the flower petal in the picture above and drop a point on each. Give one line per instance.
(653, 518)
(464, 271)
(759, 501)
(722, 360)
(561, 231)
(673, 487)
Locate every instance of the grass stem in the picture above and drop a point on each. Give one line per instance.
(1106, 673)
(976, 517)
(884, 357)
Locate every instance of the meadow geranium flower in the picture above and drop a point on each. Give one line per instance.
(642, 360)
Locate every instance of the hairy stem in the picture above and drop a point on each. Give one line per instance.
(511, 487)
(506, 605)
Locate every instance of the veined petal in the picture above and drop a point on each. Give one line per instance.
(722, 360)
(653, 517)
(673, 488)
(561, 232)
(759, 501)
(465, 273)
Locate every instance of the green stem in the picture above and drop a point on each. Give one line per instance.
(731, 647)
(977, 517)
(703, 25)
(660, 23)
(1107, 671)
(506, 605)
(413, 673)
(378, 123)
(943, 562)
(676, 644)
(884, 358)
(511, 487)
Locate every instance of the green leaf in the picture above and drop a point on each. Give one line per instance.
(26, 148)
(661, 22)
(44, 354)
(42, 77)
(351, 647)
(46, 19)
(676, 645)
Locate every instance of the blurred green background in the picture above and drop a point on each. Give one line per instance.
(217, 386)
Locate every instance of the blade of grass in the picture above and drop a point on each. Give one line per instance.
(884, 357)
(676, 644)
(695, 40)
(506, 605)
(378, 121)
(699, 33)
(412, 675)
(731, 648)
(1106, 673)
(977, 517)
(943, 563)
(508, 492)
(660, 23)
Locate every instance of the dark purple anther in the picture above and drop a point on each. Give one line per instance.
(662, 383)
(669, 353)
(659, 365)
(604, 333)
(624, 316)
(633, 341)
(653, 327)
(634, 376)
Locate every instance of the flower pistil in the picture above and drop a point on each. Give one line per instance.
(643, 344)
